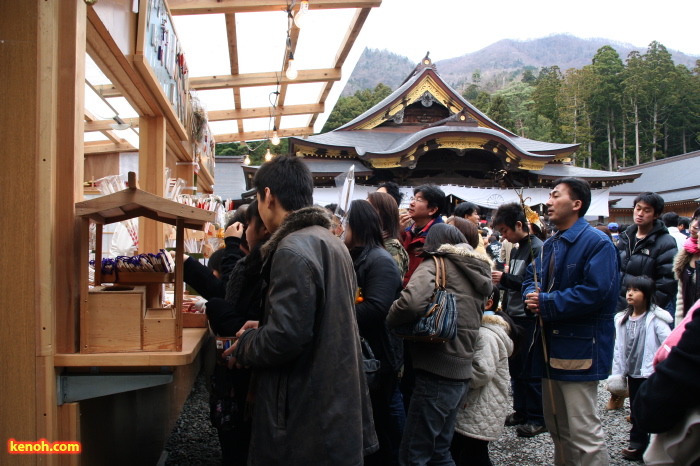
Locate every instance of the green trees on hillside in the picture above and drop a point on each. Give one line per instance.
(347, 108)
(622, 113)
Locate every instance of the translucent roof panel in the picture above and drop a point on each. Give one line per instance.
(323, 27)
(205, 43)
(223, 127)
(298, 94)
(262, 40)
(216, 99)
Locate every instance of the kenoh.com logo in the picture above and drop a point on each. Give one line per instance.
(42, 447)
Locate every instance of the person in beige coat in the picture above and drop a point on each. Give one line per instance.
(442, 370)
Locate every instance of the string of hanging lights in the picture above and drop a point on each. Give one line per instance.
(300, 19)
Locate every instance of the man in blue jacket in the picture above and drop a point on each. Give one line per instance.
(575, 294)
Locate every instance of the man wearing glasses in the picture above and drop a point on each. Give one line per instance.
(426, 205)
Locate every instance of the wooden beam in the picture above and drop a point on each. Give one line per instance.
(264, 112)
(107, 90)
(101, 147)
(264, 79)
(106, 53)
(233, 60)
(258, 135)
(106, 125)
(197, 7)
(68, 182)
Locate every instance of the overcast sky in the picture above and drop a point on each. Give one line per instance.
(451, 28)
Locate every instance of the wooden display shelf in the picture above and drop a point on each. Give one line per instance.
(137, 278)
(129, 203)
(192, 341)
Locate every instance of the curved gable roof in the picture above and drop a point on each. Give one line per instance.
(423, 79)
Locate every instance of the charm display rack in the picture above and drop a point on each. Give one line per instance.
(130, 203)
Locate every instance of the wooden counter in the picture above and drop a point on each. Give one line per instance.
(192, 341)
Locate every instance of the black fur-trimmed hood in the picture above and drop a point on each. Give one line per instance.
(295, 221)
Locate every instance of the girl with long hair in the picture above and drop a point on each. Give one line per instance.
(379, 283)
(388, 211)
(640, 330)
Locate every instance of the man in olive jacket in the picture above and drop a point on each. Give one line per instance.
(312, 404)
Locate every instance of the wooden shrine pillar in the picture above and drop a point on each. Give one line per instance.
(152, 133)
(42, 134)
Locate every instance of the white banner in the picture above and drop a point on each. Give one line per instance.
(484, 197)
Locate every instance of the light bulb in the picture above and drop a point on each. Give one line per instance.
(275, 139)
(246, 160)
(268, 156)
(302, 16)
(292, 72)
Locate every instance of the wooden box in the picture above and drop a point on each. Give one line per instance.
(194, 320)
(113, 319)
(160, 330)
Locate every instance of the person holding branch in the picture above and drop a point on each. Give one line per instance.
(573, 288)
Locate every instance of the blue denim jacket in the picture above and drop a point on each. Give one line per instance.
(577, 303)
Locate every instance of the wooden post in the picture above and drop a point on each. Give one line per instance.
(68, 184)
(151, 178)
(38, 287)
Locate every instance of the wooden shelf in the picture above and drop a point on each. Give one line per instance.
(137, 278)
(193, 340)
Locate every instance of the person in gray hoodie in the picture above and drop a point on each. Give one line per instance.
(442, 370)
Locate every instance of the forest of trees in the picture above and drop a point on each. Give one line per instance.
(621, 112)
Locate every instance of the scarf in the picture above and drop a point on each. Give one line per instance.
(691, 245)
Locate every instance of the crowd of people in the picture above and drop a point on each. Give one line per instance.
(547, 307)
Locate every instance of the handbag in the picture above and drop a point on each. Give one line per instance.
(439, 322)
(371, 365)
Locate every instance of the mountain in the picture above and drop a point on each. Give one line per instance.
(378, 66)
(499, 63)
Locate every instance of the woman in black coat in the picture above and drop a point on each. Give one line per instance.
(379, 283)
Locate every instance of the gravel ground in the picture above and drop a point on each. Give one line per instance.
(194, 441)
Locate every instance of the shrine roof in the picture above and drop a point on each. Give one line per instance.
(388, 142)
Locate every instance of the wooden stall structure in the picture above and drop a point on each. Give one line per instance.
(130, 203)
(120, 406)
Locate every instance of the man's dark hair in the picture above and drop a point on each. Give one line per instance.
(652, 199)
(288, 179)
(670, 219)
(442, 233)
(364, 222)
(465, 209)
(434, 195)
(579, 190)
(696, 214)
(388, 211)
(685, 222)
(510, 214)
(392, 189)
